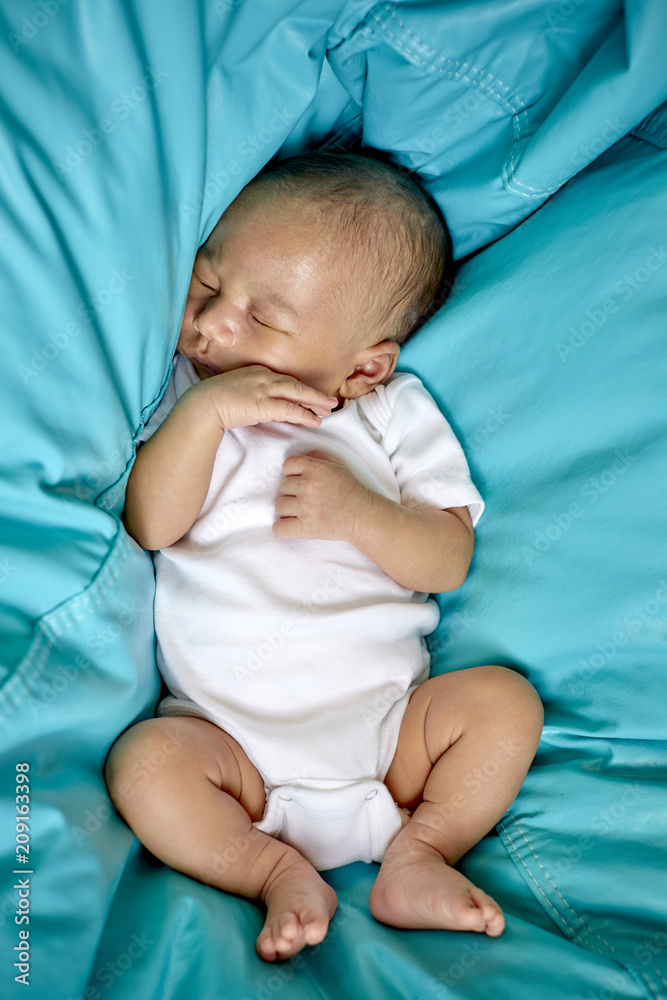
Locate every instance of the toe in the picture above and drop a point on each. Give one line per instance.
(495, 923)
(289, 937)
(493, 920)
(265, 945)
(470, 918)
(315, 931)
(288, 928)
(278, 937)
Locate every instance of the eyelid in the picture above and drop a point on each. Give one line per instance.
(201, 281)
(210, 287)
(270, 326)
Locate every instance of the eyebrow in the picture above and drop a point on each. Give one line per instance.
(275, 299)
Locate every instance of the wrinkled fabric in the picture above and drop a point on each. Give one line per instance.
(540, 128)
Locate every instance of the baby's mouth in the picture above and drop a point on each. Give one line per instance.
(204, 364)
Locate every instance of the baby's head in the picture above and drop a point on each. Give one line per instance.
(320, 268)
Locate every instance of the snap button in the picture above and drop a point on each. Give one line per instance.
(285, 798)
(371, 795)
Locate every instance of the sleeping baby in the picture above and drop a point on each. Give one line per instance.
(304, 499)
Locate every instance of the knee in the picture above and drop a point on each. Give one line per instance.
(138, 759)
(487, 697)
(506, 694)
(514, 697)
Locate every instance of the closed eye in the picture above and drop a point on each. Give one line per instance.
(269, 326)
(258, 320)
(210, 288)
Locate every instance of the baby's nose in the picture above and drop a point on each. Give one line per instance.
(217, 322)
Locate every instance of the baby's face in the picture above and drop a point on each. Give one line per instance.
(274, 296)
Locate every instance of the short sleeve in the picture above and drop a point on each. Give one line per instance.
(426, 456)
(182, 377)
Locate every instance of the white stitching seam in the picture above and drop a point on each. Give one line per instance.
(449, 73)
(512, 183)
(456, 62)
(536, 191)
(25, 675)
(556, 890)
(548, 901)
(533, 879)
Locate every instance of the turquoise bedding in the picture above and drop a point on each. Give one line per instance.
(541, 128)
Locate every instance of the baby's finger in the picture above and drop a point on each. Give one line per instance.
(295, 465)
(305, 395)
(287, 527)
(321, 411)
(290, 486)
(287, 506)
(292, 413)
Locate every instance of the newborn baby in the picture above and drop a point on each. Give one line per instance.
(305, 499)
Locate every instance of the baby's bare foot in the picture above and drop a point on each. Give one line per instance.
(416, 888)
(299, 904)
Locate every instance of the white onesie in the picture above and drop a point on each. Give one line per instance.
(304, 650)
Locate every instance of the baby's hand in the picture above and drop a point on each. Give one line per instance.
(320, 498)
(257, 395)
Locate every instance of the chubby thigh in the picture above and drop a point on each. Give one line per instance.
(156, 755)
(466, 741)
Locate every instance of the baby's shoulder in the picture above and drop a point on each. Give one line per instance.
(401, 395)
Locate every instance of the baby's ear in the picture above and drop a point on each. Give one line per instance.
(373, 367)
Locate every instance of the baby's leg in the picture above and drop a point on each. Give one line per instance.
(466, 742)
(190, 794)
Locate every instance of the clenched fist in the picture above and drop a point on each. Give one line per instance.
(320, 498)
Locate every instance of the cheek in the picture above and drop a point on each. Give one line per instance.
(325, 372)
(186, 322)
(188, 335)
(193, 307)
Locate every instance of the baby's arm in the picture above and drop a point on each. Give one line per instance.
(423, 549)
(171, 474)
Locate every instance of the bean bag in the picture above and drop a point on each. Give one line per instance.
(541, 129)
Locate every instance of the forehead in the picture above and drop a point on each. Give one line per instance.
(272, 235)
(284, 244)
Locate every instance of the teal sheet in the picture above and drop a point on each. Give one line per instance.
(541, 128)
